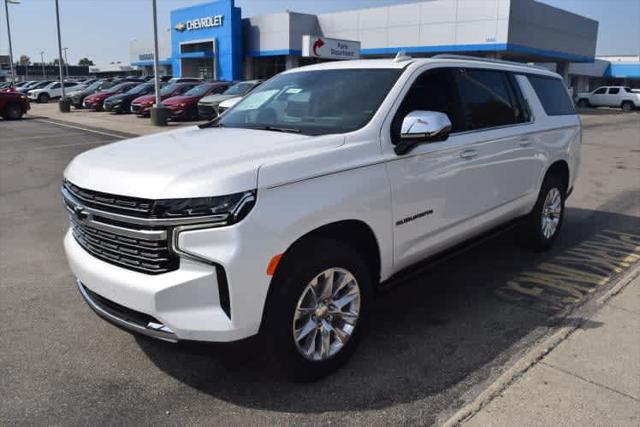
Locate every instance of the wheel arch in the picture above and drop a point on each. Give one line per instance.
(561, 168)
(355, 233)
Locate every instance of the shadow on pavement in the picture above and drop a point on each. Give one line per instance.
(439, 333)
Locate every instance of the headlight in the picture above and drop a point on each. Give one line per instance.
(182, 104)
(228, 209)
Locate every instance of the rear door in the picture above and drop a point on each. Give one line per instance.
(613, 97)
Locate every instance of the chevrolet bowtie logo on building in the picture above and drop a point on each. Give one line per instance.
(198, 23)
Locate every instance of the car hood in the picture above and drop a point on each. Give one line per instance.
(144, 98)
(115, 98)
(179, 99)
(189, 162)
(214, 100)
(100, 95)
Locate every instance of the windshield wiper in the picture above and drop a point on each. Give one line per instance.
(275, 129)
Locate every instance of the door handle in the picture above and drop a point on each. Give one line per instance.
(524, 142)
(469, 154)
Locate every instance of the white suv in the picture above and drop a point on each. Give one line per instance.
(610, 96)
(51, 91)
(282, 217)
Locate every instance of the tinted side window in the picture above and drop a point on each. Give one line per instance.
(434, 90)
(56, 86)
(487, 99)
(614, 90)
(553, 95)
(599, 91)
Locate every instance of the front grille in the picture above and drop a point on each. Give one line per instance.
(140, 248)
(206, 111)
(119, 204)
(145, 256)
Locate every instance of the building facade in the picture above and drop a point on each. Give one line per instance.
(213, 41)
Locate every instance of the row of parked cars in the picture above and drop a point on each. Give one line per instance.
(187, 98)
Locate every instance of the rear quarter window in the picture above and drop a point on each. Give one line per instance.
(553, 95)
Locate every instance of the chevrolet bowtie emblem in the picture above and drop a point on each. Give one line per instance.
(80, 213)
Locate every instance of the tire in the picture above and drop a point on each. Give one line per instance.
(312, 261)
(532, 233)
(583, 103)
(192, 114)
(627, 106)
(43, 98)
(12, 111)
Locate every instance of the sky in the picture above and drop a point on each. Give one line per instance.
(102, 29)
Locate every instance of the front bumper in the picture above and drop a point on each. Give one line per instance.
(185, 301)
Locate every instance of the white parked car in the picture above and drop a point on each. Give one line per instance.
(283, 216)
(225, 105)
(610, 96)
(52, 91)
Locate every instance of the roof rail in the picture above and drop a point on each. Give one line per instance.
(479, 58)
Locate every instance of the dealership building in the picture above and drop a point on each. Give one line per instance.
(212, 40)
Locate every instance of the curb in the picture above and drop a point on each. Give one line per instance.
(533, 356)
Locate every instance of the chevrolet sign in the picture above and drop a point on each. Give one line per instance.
(204, 22)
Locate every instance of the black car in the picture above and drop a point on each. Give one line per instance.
(121, 103)
(78, 96)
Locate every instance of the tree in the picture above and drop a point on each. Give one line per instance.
(24, 60)
(55, 61)
(86, 62)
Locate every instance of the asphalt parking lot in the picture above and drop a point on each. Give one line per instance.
(436, 339)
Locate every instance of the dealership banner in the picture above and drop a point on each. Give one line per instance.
(324, 47)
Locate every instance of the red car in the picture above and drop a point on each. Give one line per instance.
(95, 101)
(13, 105)
(186, 106)
(142, 105)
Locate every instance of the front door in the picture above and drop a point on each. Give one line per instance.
(444, 192)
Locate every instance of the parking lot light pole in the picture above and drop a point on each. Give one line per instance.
(6, 12)
(44, 73)
(64, 104)
(66, 62)
(159, 113)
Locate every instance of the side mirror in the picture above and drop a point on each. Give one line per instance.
(422, 126)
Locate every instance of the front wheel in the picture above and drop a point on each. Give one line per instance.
(583, 103)
(12, 112)
(542, 226)
(627, 106)
(318, 309)
(43, 98)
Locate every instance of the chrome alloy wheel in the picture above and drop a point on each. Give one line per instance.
(551, 212)
(326, 314)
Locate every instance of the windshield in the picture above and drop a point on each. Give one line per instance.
(167, 90)
(40, 85)
(198, 90)
(238, 89)
(314, 102)
(140, 89)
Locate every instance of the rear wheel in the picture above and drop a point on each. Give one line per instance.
(43, 98)
(583, 103)
(627, 106)
(12, 111)
(318, 309)
(542, 226)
